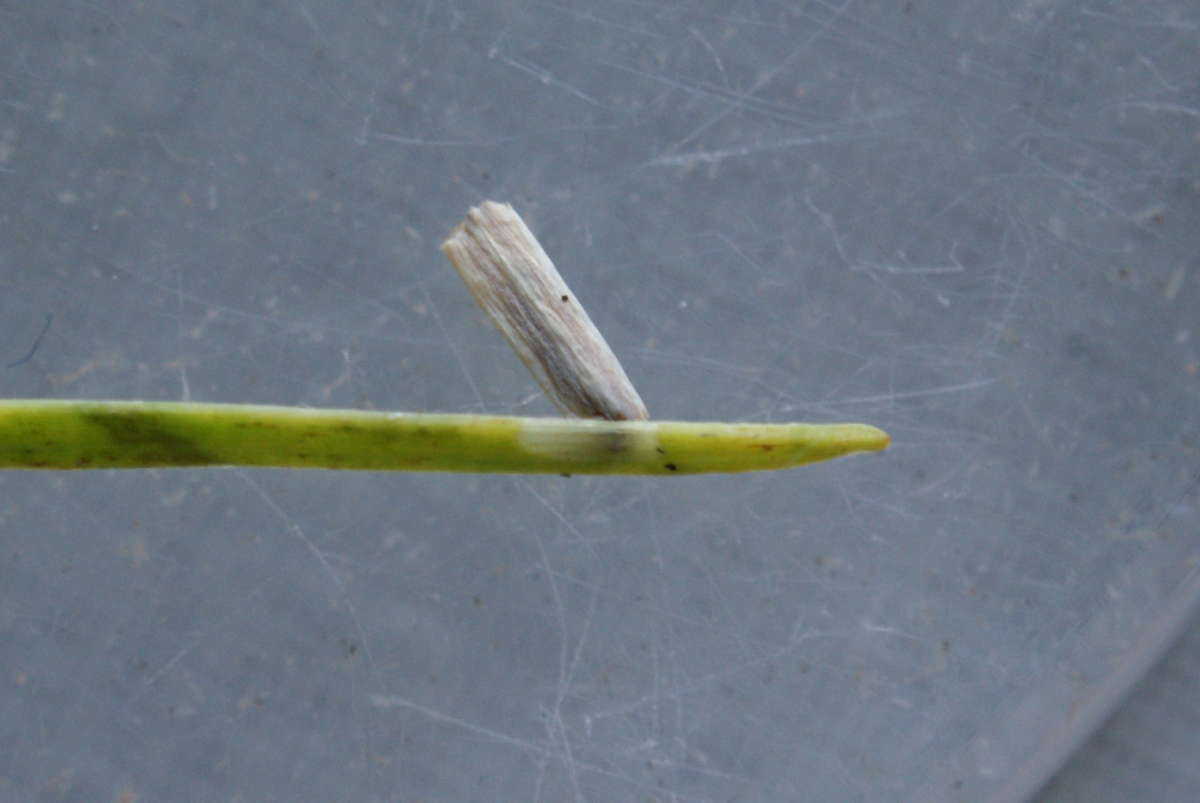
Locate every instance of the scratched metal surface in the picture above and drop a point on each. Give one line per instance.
(973, 224)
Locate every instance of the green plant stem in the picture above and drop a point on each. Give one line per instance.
(53, 434)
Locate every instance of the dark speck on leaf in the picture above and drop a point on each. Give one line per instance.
(671, 467)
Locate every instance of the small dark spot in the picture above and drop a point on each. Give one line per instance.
(565, 476)
(566, 298)
(671, 467)
(660, 450)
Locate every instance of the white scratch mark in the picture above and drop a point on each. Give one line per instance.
(317, 553)
(547, 78)
(707, 157)
(917, 394)
(426, 141)
(462, 364)
(396, 701)
(712, 52)
(767, 77)
(1163, 108)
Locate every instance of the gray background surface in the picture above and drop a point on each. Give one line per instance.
(973, 224)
